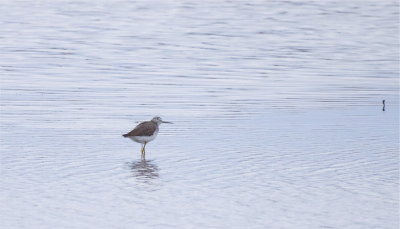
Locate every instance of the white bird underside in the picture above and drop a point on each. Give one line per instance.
(143, 139)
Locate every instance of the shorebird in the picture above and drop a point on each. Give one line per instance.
(145, 132)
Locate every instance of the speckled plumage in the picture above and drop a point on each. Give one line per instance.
(143, 129)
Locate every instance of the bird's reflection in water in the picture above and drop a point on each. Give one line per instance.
(144, 169)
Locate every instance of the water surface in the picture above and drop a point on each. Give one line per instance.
(276, 107)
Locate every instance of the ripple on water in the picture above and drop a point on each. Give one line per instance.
(276, 109)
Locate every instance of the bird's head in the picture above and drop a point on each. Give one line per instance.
(158, 120)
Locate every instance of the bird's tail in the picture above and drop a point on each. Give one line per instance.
(125, 135)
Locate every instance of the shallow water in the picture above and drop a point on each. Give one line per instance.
(276, 105)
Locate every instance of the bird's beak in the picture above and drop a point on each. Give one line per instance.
(167, 122)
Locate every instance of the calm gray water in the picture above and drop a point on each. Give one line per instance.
(277, 111)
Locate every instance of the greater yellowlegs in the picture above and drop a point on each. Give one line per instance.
(145, 132)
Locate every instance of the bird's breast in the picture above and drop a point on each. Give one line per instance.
(143, 139)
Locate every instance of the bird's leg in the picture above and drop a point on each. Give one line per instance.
(144, 149)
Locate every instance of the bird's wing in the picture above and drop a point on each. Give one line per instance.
(143, 129)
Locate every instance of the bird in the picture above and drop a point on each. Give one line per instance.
(145, 132)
